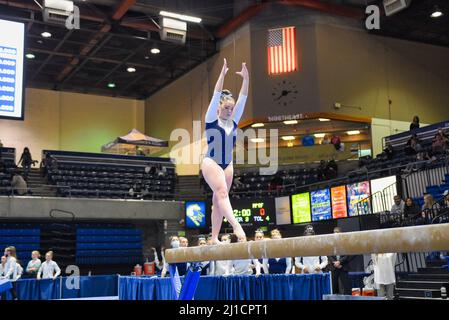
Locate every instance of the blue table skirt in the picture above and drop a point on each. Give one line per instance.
(265, 287)
(46, 289)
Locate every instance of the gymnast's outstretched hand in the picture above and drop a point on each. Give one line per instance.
(244, 72)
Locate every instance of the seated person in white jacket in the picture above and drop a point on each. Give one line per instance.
(245, 266)
(311, 264)
(222, 267)
(48, 269)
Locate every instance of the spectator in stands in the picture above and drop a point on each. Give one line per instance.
(322, 170)
(1, 144)
(440, 142)
(415, 123)
(311, 264)
(34, 264)
(209, 240)
(388, 152)
(205, 265)
(260, 236)
(49, 269)
(132, 191)
(47, 163)
(18, 184)
(446, 199)
(429, 209)
(332, 169)
(278, 265)
(411, 209)
(413, 145)
(245, 266)
(308, 140)
(160, 264)
(183, 242)
(326, 140)
(384, 274)
(398, 206)
(177, 242)
(11, 270)
(139, 151)
(2, 266)
(336, 141)
(339, 266)
(222, 267)
(161, 171)
(27, 161)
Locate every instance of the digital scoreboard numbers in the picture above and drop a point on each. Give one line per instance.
(11, 69)
(253, 213)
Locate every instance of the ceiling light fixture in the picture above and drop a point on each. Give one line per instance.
(30, 56)
(353, 132)
(180, 16)
(111, 85)
(46, 34)
(319, 135)
(257, 140)
(288, 138)
(257, 125)
(436, 13)
(287, 122)
(324, 119)
(131, 69)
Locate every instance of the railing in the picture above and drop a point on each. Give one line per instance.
(31, 191)
(415, 183)
(361, 175)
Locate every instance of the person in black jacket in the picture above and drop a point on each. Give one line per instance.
(415, 123)
(339, 266)
(411, 210)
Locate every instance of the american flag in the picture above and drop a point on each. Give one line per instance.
(282, 50)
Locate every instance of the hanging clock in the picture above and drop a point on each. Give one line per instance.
(285, 93)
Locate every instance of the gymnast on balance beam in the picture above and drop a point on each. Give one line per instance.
(222, 118)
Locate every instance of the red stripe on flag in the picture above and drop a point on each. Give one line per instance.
(283, 51)
(269, 60)
(289, 48)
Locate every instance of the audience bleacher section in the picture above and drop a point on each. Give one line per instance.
(92, 175)
(7, 165)
(108, 246)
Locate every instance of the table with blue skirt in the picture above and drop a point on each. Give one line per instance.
(265, 287)
(66, 288)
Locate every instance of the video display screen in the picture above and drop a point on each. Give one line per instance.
(321, 205)
(339, 206)
(355, 194)
(12, 44)
(195, 215)
(301, 208)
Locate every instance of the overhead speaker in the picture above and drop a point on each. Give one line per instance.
(57, 11)
(394, 6)
(173, 30)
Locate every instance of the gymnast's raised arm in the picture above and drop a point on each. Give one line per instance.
(211, 113)
(240, 105)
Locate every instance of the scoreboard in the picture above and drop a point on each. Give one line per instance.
(251, 213)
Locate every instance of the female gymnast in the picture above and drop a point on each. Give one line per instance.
(222, 118)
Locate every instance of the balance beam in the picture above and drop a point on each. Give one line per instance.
(406, 239)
